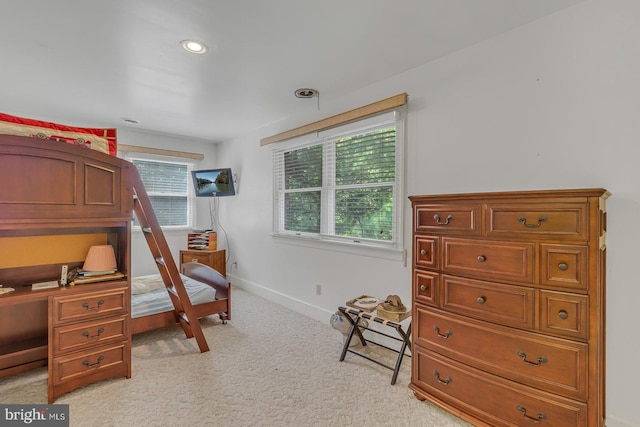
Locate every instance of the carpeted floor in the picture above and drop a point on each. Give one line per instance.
(268, 366)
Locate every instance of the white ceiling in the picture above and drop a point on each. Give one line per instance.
(97, 62)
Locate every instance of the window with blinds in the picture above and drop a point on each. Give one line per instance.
(167, 184)
(346, 185)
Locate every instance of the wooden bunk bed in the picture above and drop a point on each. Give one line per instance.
(215, 301)
(75, 196)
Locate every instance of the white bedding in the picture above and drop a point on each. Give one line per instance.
(149, 296)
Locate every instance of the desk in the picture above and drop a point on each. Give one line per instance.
(354, 315)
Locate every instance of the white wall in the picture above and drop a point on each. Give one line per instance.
(141, 259)
(549, 105)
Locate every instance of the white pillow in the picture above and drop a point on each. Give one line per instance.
(143, 284)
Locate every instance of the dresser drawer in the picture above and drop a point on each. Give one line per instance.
(426, 285)
(551, 364)
(494, 302)
(426, 252)
(564, 314)
(83, 335)
(502, 261)
(450, 219)
(91, 362)
(568, 221)
(564, 266)
(89, 305)
(497, 401)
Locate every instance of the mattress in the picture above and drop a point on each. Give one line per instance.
(149, 296)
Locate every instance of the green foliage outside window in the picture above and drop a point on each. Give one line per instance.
(363, 195)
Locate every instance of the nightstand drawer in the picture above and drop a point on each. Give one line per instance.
(83, 335)
(89, 305)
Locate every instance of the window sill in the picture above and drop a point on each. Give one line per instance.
(361, 249)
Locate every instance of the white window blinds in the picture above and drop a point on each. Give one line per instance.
(346, 185)
(167, 184)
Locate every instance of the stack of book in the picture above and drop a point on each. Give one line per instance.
(85, 276)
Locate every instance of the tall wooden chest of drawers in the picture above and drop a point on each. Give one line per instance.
(509, 306)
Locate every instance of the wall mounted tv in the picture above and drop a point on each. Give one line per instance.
(213, 182)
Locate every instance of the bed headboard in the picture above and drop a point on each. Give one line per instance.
(51, 180)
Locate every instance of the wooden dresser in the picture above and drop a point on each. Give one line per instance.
(214, 259)
(509, 306)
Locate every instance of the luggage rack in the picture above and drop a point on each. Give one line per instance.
(354, 315)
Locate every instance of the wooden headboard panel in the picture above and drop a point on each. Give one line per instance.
(51, 179)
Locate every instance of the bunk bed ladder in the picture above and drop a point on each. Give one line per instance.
(165, 263)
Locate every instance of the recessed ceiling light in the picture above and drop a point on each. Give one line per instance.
(306, 93)
(194, 46)
(131, 121)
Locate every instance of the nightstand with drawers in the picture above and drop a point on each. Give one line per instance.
(214, 259)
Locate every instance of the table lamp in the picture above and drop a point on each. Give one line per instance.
(100, 258)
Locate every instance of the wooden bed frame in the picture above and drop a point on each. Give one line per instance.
(202, 273)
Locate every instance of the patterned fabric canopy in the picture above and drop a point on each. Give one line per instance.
(103, 140)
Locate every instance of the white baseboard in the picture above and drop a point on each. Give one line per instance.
(309, 310)
(616, 422)
(294, 304)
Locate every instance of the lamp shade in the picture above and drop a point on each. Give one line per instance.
(100, 258)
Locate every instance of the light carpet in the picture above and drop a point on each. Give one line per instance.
(268, 366)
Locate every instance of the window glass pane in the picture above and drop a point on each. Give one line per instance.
(167, 185)
(344, 186)
(303, 168)
(302, 211)
(365, 213)
(162, 177)
(170, 210)
(366, 158)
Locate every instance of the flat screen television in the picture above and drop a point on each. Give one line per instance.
(213, 182)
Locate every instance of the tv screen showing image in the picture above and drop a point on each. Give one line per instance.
(213, 182)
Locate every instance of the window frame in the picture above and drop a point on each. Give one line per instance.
(325, 239)
(191, 207)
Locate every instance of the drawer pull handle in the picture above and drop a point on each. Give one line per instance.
(444, 336)
(563, 314)
(93, 365)
(540, 361)
(423, 252)
(92, 337)
(446, 222)
(563, 266)
(481, 300)
(446, 381)
(541, 415)
(423, 288)
(482, 258)
(523, 220)
(97, 307)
